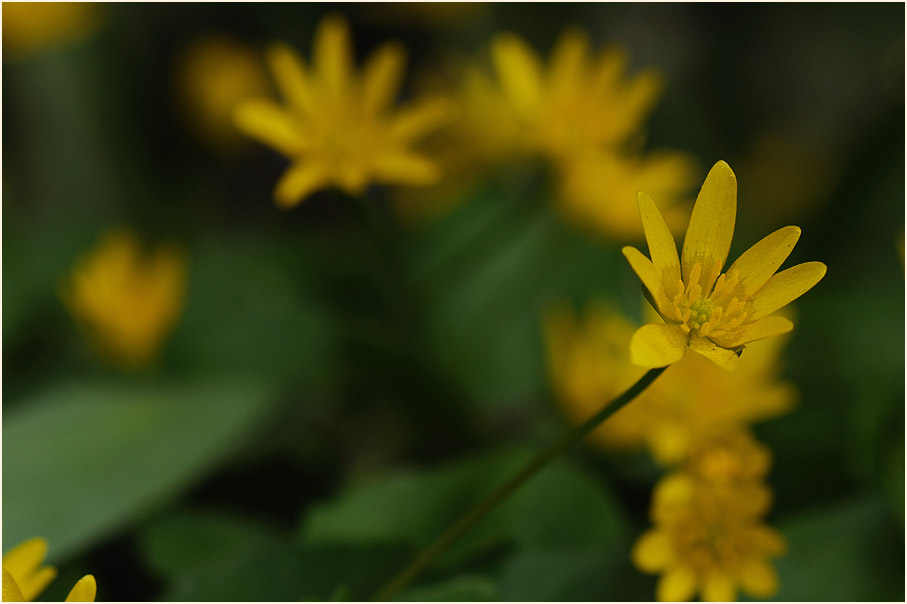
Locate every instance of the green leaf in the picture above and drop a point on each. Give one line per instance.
(565, 574)
(413, 506)
(250, 308)
(210, 555)
(849, 551)
(466, 588)
(566, 506)
(82, 461)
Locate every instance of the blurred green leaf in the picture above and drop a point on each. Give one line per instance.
(466, 588)
(565, 574)
(412, 506)
(210, 555)
(561, 506)
(83, 460)
(249, 311)
(842, 552)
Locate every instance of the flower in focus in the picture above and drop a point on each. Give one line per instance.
(707, 541)
(339, 129)
(713, 313)
(29, 27)
(24, 578)
(128, 300)
(215, 74)
(589, 364)
(584, 114)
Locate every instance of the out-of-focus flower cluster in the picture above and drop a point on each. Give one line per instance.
(708, 534)
(582, 114)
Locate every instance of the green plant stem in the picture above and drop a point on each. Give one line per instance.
(569, 440)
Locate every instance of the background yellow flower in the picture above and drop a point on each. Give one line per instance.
(127, 299)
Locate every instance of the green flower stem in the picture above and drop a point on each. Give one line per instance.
(569, 440)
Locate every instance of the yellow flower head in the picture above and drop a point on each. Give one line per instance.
(682, 411)
(29, 27)
(579, 103)
(337, 128)
(585, 115)
(126, 299)
(702, 543)
(215, 74)
(24, 578)
(713, 313)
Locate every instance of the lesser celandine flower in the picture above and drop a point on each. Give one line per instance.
(584, 114)
(215, 73)
(29, 27)
(24, 577)
(340, 129)
(126, 298)
(589, 363)
(713, 313)
(707, 541)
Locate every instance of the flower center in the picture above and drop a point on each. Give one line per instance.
(715, 313)
(700, 313)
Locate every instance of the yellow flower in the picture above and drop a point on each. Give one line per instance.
(339, 129)
(215, 74)
(703, 543)
(595, 189)
(589, 364)
(579, 103)
(584, 114)
(126, 299)
(713, 313)
(29, 27)
(24, 578)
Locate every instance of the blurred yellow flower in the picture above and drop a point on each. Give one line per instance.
(128, 300)
(584, 114)
(215, 74)
(29, 27)
(481, 136)
(713, 313)
(589, 364)
(706, 542)
(340, 129)
(24, 578)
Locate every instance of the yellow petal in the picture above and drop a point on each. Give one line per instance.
(719, 587)
(11, 591)
(412, 123)
(757, 264)
(519, 72)
(646, 272)
(291, 78)
(677, 585)
(657, 345)
(381, 76)
(25, 557)
(567, 60)
(711, 229)
(784, 288)
(268, 123)
(652, 552)
(759, 579)
(724, 358)
(298, 182)
(35, 582)
(757, 330)
(333, 54)
(406, 168)
(662, 248)
(84, 590)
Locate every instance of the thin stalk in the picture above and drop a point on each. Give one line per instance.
(569, 440)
